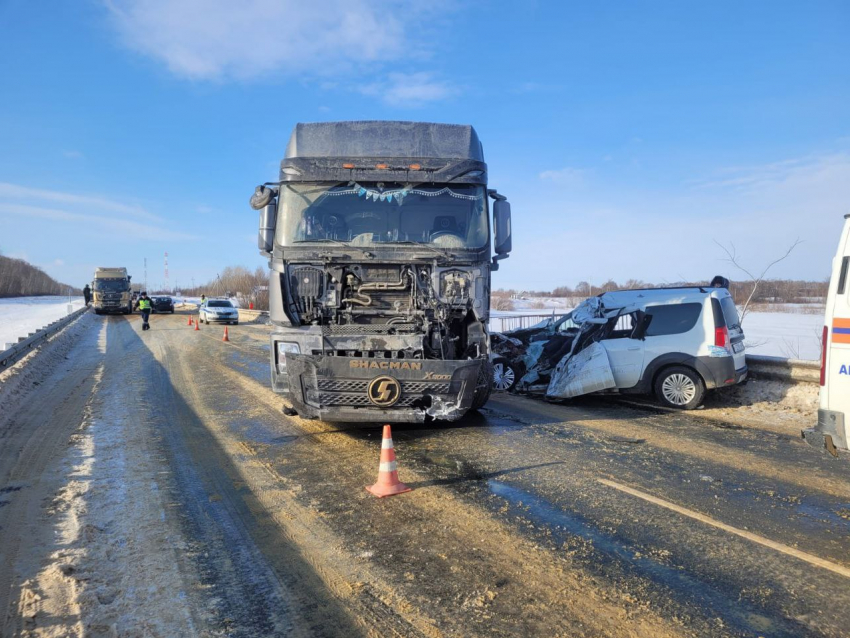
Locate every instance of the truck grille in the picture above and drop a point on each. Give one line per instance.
(352, 393)
(370, 329)
(359, 386)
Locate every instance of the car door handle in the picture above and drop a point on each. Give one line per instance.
(634, 348)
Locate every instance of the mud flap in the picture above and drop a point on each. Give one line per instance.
(583, 373)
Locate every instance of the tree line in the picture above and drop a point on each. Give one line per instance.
(237, 281)
(19, 278)
(769, 291)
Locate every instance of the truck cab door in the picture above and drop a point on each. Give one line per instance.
(625, 353)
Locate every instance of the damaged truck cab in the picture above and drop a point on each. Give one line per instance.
(378, 238)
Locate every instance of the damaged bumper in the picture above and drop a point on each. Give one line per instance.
(829, 433)
(338, 388)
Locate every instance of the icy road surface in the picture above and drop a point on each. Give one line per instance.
(20, 316)
(171, 497)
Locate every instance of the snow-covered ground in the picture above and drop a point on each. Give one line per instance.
(794, 333)
(20, 316)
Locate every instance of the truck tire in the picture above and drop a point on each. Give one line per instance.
(484, 386)
(679, 387)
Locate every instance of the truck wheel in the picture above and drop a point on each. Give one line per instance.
(679, 387)
(484, 386)
(506, 374)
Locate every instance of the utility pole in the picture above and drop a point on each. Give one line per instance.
(146, 274)
(166, 273)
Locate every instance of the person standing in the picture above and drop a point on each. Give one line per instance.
(144, 306)
(87, 294)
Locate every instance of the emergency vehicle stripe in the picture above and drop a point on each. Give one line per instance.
(387, 467)
(840, 323)
(840, 337)
(841, 331)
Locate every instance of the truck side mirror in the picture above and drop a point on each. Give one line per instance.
(502, 226)
(268, 220)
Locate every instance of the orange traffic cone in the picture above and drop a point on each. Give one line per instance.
(388, 483)
(225, 338)
(189, 321)
(196, 325)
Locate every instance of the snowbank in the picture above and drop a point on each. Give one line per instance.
(20, 316)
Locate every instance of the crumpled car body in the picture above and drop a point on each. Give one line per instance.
(562, 357)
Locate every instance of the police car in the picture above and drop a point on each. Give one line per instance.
(831, 431)
(218, 311)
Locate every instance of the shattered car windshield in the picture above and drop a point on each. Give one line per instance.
(372, 213)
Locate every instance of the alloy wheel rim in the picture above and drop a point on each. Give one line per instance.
(679, 389)
(503, 376)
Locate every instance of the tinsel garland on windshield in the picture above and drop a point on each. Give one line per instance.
(396, 195)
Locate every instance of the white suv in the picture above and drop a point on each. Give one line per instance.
(675, 342)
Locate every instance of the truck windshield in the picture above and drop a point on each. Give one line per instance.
(371, 213)
(111, 285)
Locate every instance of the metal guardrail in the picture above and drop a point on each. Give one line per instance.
(253, 316)
(505, 323)
(26, 344)
(779, 369)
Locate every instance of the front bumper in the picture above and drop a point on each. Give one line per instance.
(337, 388)
(829, 433)
(220, 319)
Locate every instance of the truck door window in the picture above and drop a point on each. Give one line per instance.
(673, 319)
(842, 277)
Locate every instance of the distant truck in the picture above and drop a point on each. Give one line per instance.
(832, 430)
(111, 291)
(379, 246)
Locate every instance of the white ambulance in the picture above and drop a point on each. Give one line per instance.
(832, 431)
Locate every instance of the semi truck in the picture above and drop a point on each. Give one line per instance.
(380, 253)
(111, 292)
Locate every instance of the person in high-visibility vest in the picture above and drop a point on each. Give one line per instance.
(144, 306)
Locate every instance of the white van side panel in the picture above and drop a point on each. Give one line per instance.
(835, 393)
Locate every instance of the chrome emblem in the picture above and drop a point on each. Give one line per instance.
(384, 391)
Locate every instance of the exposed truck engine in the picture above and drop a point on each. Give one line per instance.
(379, 247)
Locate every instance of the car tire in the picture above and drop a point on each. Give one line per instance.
(505, 374)
(679, 387)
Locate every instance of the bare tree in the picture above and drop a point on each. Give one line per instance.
(732, 257)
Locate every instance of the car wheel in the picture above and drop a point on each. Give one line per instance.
(680, 387)
(505, 375)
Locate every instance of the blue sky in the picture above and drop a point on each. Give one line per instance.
(628, 136)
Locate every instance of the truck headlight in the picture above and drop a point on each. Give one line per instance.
(282, 348)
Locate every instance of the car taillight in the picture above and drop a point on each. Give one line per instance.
(721, 337)
(823, 341)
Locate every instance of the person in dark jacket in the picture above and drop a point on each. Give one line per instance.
(144, 306)
(87, 294)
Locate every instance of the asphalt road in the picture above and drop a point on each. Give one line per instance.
(526, 519)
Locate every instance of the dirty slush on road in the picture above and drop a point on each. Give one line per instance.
(150, 486)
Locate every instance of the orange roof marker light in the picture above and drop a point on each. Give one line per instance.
(415, 167)
(348, 165)
(382, 167)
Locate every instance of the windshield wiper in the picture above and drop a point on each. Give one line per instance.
(333, 241)
(433, 249)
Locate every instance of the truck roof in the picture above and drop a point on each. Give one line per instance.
(110, 272)
(385, 139)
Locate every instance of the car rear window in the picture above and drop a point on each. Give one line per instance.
(730, 312)
(672, 319)
(220, 304)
